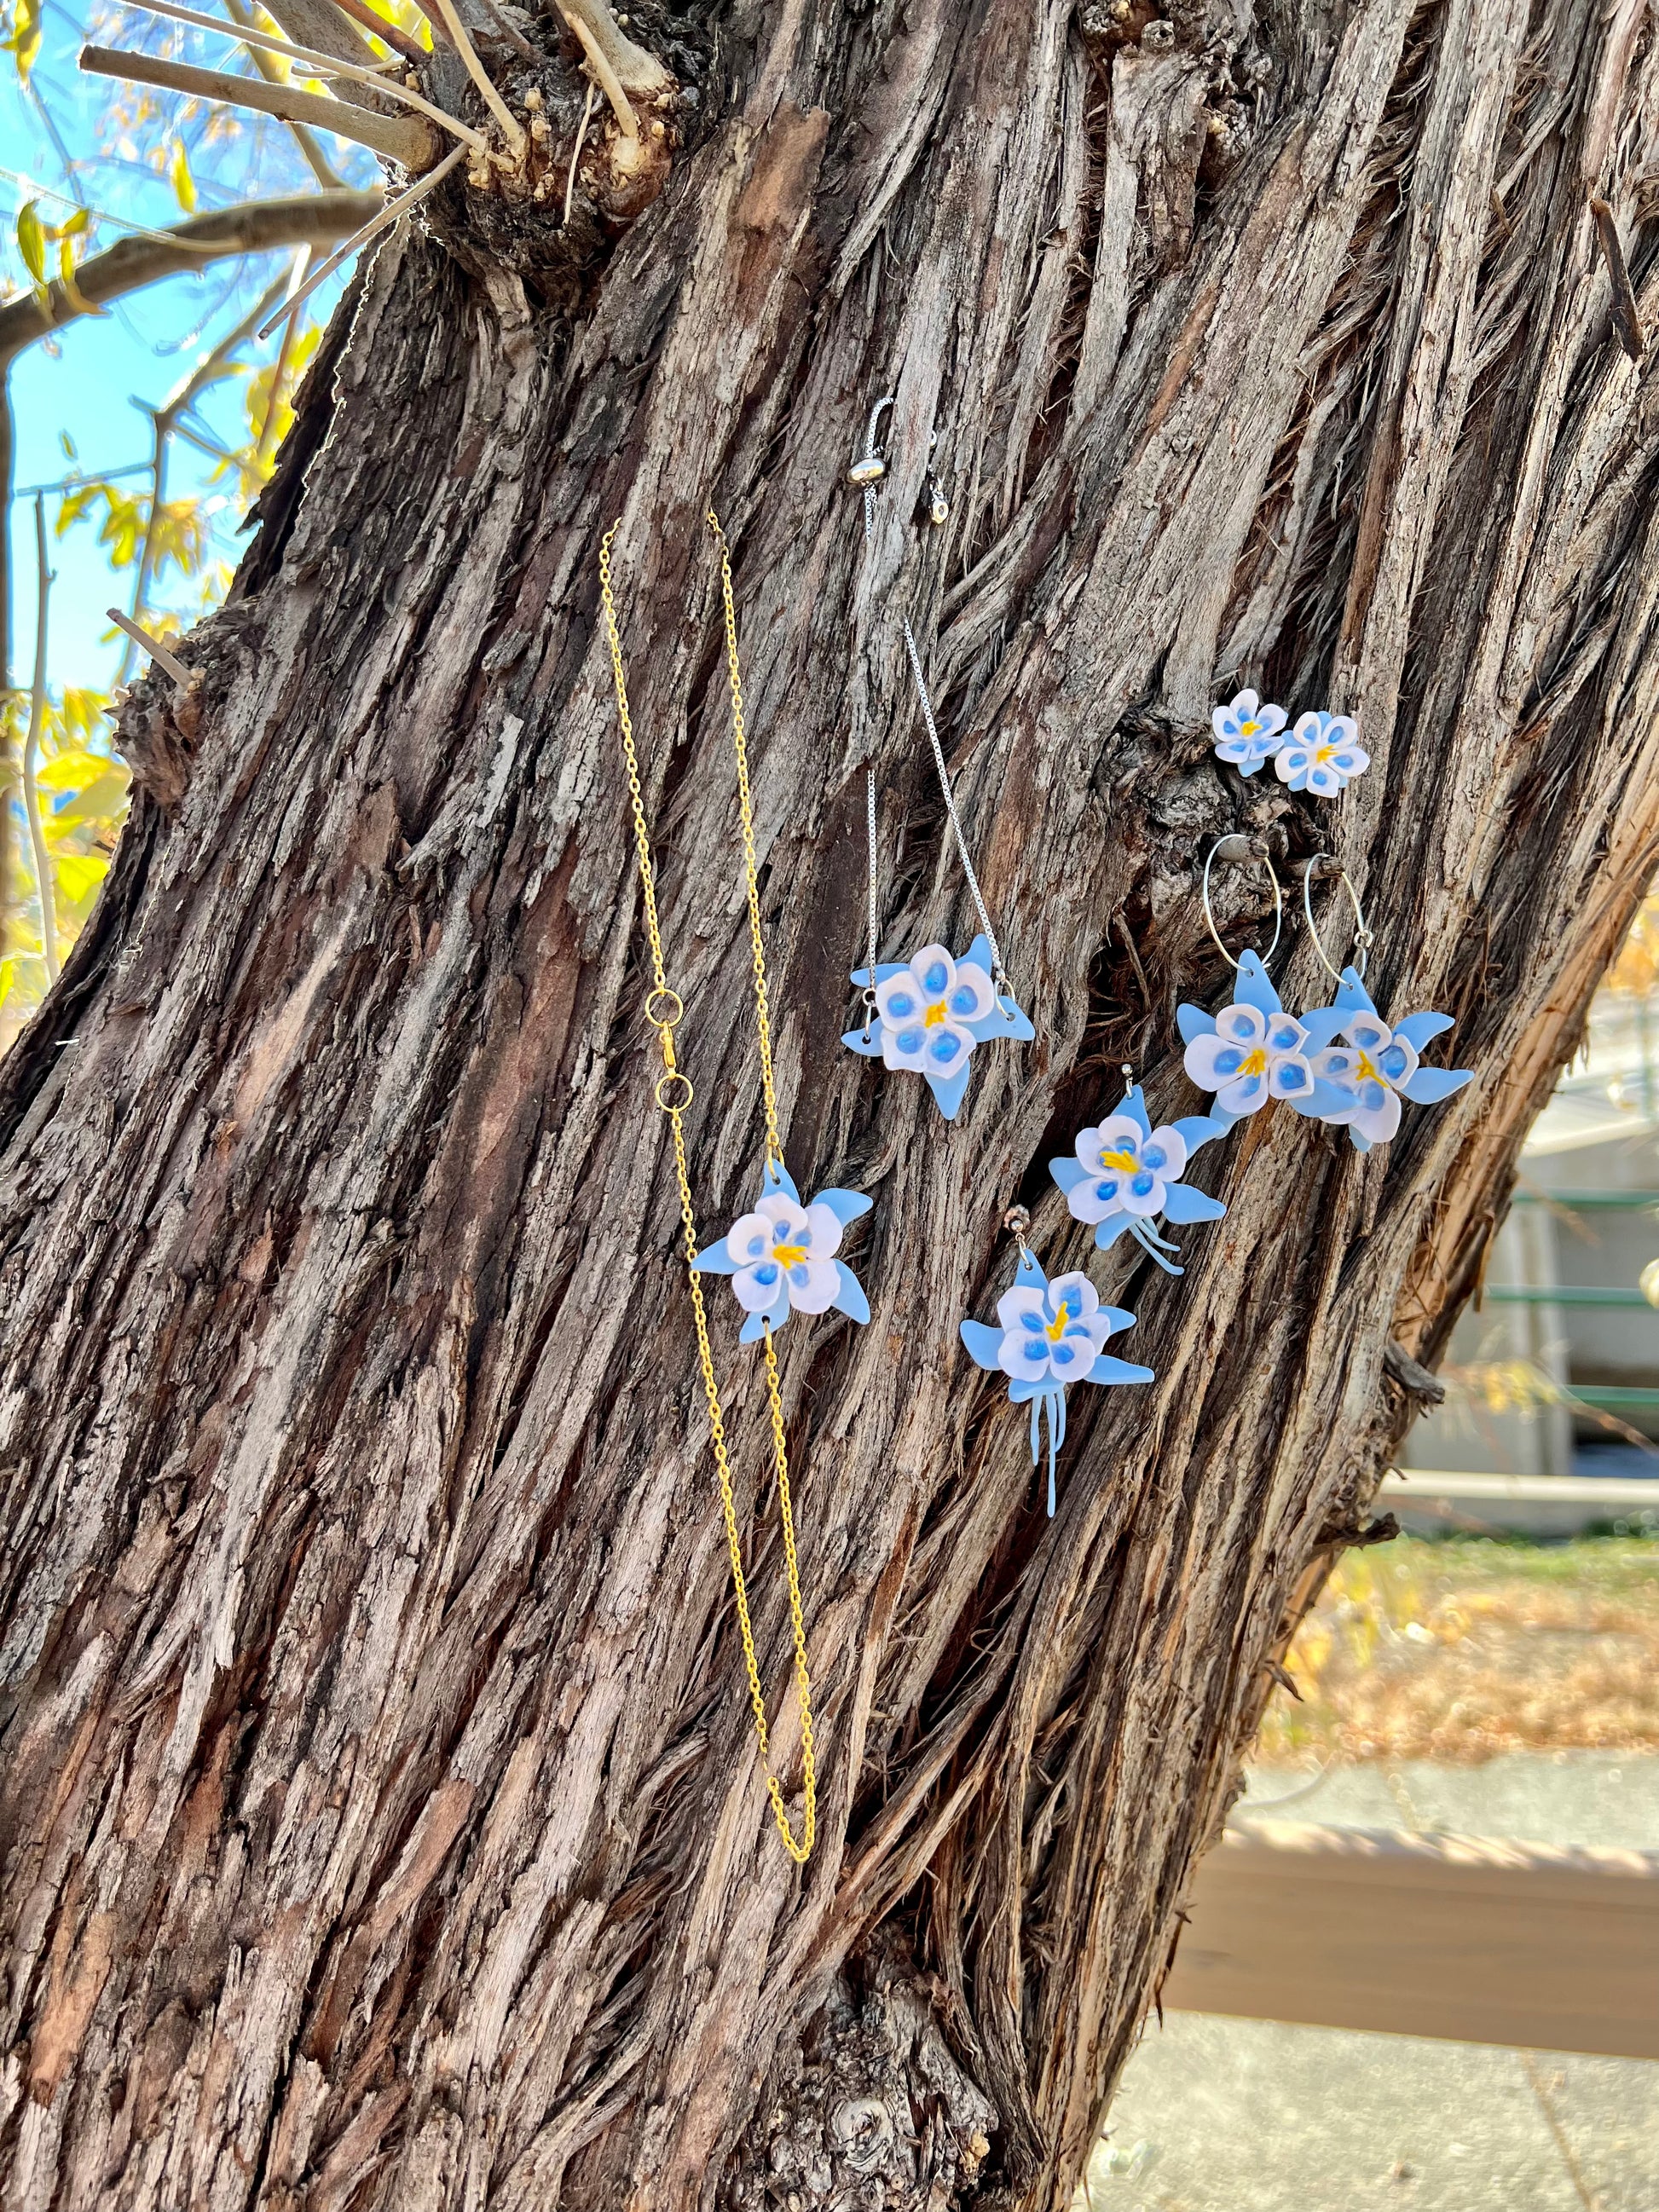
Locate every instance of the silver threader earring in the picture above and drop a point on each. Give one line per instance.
(927, 1014)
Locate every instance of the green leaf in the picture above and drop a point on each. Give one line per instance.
(25, 41)
(32, 241)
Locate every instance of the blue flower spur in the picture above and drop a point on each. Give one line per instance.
(1049, 1334)
(781, 1256)
(930, 1014)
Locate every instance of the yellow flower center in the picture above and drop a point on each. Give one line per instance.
(1125, 1162)
(1254, 1063)
(1323, 753)
(934, 1015)
(1250, 729)
(1056, 1329)
(1368, 1069)
(789, 1256)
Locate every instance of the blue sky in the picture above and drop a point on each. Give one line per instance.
(85, 382)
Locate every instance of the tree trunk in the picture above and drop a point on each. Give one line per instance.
(384, 1825)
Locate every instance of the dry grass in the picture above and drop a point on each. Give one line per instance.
(1458, 1649)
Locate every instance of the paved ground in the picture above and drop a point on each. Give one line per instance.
(1248, 2115)
(1220, 2115)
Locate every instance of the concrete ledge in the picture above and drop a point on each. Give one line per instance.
(1478, 1941)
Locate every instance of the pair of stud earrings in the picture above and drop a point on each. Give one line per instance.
(1343, 1064)
(1321, 753)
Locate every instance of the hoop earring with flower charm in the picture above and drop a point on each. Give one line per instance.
(1251, 1051)
(1376, 1064)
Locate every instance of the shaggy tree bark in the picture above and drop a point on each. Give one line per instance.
(383, 1823)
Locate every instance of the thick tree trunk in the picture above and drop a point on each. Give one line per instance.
(383, 1824)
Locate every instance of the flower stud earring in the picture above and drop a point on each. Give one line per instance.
(1376, 1065)
(1322, 754)
(1251, 1051)
(1126, 1173)
(781, 1256)
(1247, 732)
(1049, 1335)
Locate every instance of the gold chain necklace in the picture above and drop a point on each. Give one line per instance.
(663, 1009)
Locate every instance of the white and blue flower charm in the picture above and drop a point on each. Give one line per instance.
(1322, 754)
(1246, 732)
(1049, 1335)
(932, 1011)
(1126, 1173)
(781, 1256)
(1378, 1065)
(1252, 1052)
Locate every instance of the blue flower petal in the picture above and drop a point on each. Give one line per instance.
(870, 1046)
(949, 1090)
(1134, 1105)
(1068, 1174)
(861, 975)
(1194, 1022)
(845, 1205)
(1115, 1225)
(1418, 1029)
(984, 1344)
(1253, 989)
(1106, 1369)
(1431, 1085)
(849, 1298)
(717, 1260)
(777, 1182)
(1196, 1129)
(1183, 1203)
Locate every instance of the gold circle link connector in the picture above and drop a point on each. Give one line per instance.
(664, 1021)
(674, 1105)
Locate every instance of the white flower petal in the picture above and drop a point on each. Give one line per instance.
(749, 1238)
(1023, 1355)
(899, 1001)
(788, 1219)
(934, 971)
(822, 1233)
(1212, 1060)
(1245, 1094)
(812, 1285)
(757, 1287)
(905, 1047)
(1166, 1153)
(970, 996)
(1076, 1293)
(1241, 1024)
(1014, 1306)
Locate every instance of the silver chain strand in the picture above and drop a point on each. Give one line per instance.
(999, 972)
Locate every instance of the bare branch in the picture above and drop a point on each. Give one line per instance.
(43, 883)
(404, 138)
(376, 24)
(310, 152)
(514, 38)
(635, 69)
(606, 78)
(576, 152)
(254, 226)
(152, 646)
(388, 214)
(512, 129)
(312, 58)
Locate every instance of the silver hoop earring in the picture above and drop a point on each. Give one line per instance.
(1362, 940)
(1241, 850)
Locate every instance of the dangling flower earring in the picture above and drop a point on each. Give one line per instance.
(1049, 1334)
(1251, 1051)
(1126, 1173)
(1379, 1066)
(928, 1013)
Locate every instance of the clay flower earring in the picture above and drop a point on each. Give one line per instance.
(1247, 732)
(935, 1008)
(1126, 1173)
(1251, 1051)
(1378, 1064)
(1049, 1335)
(1322, 754)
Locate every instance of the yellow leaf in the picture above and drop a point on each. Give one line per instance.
(31, 241)
(79, 875)
(183, 184)
(24, 40)
(69, 771)
(102, 801)
(72, 291)
(8, 977)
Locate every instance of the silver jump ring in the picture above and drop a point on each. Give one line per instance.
(1362, 936)
(1209, 911)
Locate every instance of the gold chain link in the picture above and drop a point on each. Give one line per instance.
(674, 1106)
